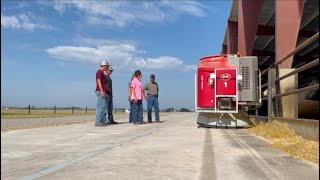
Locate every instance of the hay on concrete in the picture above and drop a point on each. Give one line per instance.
(284, 138)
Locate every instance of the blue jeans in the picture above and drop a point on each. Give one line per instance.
(137, 111)
(131, 110)
(152, 101)
(101, 109)
(109, 108)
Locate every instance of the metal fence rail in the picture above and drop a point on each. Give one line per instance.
(300, 69)
(308, 88)
(300, 47)
(273, 82)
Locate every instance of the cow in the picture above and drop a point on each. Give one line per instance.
(313, 94)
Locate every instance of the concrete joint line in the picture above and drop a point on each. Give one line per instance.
(262, 164)
(84, 157)
(231, 115)
(208, 168)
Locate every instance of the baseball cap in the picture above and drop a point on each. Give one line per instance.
(104, 63)
(110, 68)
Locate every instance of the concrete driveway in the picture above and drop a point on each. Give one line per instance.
(174, 149)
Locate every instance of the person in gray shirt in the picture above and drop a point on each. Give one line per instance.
(152, 93)
(109, 99)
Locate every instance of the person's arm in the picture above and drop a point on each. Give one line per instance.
(129, 91)
(108, 85)
(144, 95)
(133, 87)
(134, 94)
(100, 87)
(157, 90)
(143, 91)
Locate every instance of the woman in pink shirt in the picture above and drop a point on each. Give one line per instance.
(136, 98)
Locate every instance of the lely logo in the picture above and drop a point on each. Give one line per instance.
(225, 76)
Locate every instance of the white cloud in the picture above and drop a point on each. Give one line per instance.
(123, 13)
(121, 55)
(21, 21)
(189, 7)
(165, 63)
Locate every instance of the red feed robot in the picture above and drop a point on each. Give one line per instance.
(223, 83)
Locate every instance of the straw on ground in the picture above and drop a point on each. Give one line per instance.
(284, 138)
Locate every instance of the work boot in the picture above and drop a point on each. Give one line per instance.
(112, 122)
(101, 124)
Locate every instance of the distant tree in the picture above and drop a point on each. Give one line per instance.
(184, 110)
(169, 110)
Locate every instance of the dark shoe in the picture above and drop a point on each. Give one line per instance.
(158, 121)
(150, 122)
(101, 124)
(114, 122)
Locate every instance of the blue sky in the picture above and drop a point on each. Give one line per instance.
(51, 50)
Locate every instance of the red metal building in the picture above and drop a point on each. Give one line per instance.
(271, 29)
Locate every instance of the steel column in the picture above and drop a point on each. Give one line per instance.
(248, 20)
(224, 49)
(271, 77)
(232, 37)
(288, 19)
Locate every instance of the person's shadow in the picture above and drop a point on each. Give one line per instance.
(153, 122)
(117, 123)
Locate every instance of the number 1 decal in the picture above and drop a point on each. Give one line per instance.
(225, 84)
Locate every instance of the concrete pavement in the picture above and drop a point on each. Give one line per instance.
(174, 149)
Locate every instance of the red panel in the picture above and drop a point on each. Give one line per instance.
(205, 90)
(288, 18)
(226, 82)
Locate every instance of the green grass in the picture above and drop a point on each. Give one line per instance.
(39, 113)
(36, 113)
